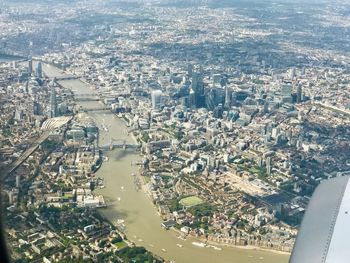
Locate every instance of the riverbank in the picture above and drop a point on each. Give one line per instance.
(143, 224)
(248, 247)
(209, 242)
(194, 238)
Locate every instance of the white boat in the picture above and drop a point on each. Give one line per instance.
(140, 240)
(122, 187)
(179, 245)
(199, 244)
(120, 221)
(217, 248)
(163, 249)
(119, 199)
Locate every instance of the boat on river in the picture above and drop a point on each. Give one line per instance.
(199, 244)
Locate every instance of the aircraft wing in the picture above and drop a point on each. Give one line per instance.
(324, 235)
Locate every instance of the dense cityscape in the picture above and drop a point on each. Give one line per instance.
(216, 119)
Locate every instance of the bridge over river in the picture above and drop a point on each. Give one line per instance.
(87, 97)
(119, 143)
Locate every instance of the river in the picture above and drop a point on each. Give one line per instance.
(9, 58)
(143, 225)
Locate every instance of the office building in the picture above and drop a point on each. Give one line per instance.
(30, 66)
(18, 181)
(227, 98)
(39, 70)
(299, 94)
(198, 87)
(53, 103)
(156, 97)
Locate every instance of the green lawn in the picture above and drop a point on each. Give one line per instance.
(67, 196)
(191, 201)
(120, 244)
(254, 170)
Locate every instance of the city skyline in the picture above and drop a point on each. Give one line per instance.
(169, 131)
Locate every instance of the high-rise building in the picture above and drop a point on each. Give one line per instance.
(299, 94)
(185, 101)
(211, 99)
(30, 66)
(227, 98)
(53, 103)
(192, 99)
(37, 108)
(286, 92)
(39, 70)
(156, 96)
(18, 180)
(198, 87)
(266, 107)
(197, 82)
(189, 70)
(218, 111)
(292, 73)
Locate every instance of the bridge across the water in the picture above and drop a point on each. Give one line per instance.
(119, 143)
(95, 109)
(66, 78)
(87, 97)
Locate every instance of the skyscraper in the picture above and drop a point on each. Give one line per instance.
(211, 99)
(156, 96)
(30, 66)
(53, 103)
(299, 94)
(18, 180)
(286, 92)
(197, 83)
(227, 98)
(189, 70)
(198, 87)
(39, 70)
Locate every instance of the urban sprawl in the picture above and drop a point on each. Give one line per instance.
(236, 121)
